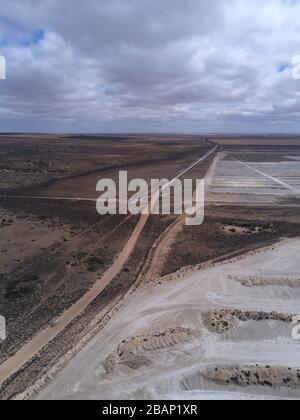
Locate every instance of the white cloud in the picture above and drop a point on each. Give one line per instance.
(127, 65)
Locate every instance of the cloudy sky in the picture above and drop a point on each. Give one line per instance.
(150, 65)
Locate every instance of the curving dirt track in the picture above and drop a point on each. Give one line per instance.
(159, 254)
(13, 364)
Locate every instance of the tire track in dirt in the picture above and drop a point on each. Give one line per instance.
(33, 347)
(160, 251)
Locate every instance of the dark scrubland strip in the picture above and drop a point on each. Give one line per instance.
(42, 287)
(198, 244)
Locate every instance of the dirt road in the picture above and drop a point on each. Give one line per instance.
(160, 252)
(13, 364)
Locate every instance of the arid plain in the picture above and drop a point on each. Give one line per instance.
(190, 312)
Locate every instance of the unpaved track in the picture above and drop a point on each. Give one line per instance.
(13, 364)
(272, 178)
(159, 255)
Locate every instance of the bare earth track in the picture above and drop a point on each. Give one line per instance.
(13, 364)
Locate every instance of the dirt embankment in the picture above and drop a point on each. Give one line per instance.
(265, 376)
(132, 353)
(224, 320)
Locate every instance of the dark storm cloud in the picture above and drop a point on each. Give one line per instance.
(114, 65)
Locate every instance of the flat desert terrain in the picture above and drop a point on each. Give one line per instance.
(118, 307)
(55, 248)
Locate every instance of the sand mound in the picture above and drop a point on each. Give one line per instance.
(130, 353)
(255, 375)
(256, 281)
(224, 320)
(199, 368)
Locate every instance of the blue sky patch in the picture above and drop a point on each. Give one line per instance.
(35, 38)
(283, 67)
